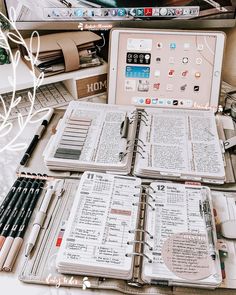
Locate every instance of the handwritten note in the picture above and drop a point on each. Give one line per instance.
(186, 255)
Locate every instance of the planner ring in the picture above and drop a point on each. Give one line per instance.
(143, 119)
(150, 196)
(140, 153)
(140, 242)
(141, 231)
(146, 203)
(142, 115)
(122, 155)
(133, 116)
(139, 254)
(136, 145)
(136, 140)
(143, 111)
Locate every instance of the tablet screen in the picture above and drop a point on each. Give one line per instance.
(166, 69)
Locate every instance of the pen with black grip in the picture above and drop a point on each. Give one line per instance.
(17, 233)
(13, 213)
(21, 214)
(36, 137)
(9, 196)
(11, 204)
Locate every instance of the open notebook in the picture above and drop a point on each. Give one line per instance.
(114, 223)
(168, 143)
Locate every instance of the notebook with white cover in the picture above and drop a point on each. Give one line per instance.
(113, 224)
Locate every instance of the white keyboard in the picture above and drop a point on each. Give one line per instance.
(52, 95)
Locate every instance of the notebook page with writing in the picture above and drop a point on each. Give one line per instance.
(182, 248)
(89, 138)
(180, 144)
(96, 236)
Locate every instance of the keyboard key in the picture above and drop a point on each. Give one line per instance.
(51, 95)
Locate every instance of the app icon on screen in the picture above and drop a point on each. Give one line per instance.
(148, 11)
(140, 12)
(121, 12)
(185, 60)
(198, 60)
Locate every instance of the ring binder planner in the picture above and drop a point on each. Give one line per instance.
(129, 245)
(151, 143)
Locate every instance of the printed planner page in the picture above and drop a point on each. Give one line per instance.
(180, 231)
(180, 144)
(103, 219)
(89, 137)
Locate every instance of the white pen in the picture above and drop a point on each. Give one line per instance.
(40, 217)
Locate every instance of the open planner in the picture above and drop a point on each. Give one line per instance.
(116, 224)
(153, 143)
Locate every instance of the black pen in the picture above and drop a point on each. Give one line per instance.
(12, 203)
(66, 3)
(36, 138)
(8, 197)
(15, 238)
(21, 214)
(14, 213)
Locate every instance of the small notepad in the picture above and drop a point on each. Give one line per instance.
(101, 224)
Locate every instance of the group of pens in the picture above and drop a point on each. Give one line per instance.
(15, 213)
